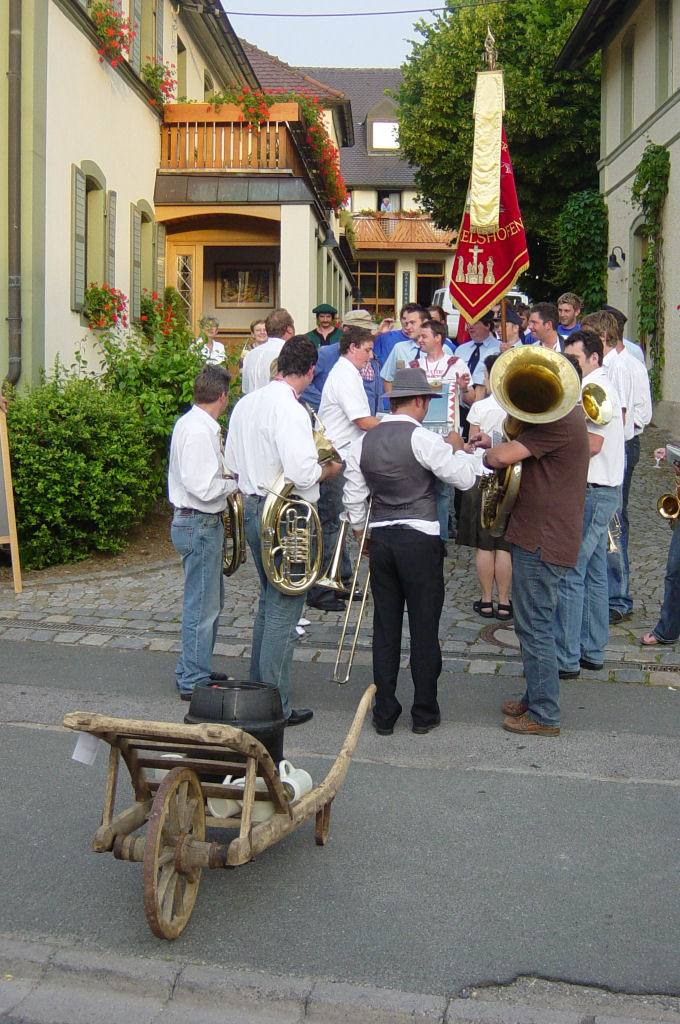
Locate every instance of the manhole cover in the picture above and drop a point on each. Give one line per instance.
(501, 634)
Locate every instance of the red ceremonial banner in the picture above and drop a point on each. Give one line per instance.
(487, 266)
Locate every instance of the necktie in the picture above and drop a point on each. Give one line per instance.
(474, 359)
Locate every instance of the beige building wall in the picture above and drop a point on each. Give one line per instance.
(101, 120)
(621, 156)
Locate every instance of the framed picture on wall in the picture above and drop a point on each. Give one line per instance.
(240, 287)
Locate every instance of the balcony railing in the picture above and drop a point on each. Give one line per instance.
(399, 231)
(198, 137)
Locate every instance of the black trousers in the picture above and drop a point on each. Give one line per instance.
(406, 568)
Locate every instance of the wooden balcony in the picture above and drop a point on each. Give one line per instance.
(397, 231)
(199, 137)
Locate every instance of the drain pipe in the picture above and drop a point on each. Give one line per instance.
(14, 192)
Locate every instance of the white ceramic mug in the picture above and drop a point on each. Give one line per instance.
(160, 773)
(220, 808)
(296, 781)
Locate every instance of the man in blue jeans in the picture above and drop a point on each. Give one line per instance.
(582, 614)
(545, 536)
(667, 629)
(270, 440)
(198, 489)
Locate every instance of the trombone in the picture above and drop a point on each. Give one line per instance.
(342, 672)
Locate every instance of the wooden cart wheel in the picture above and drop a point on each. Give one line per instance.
(170, 891)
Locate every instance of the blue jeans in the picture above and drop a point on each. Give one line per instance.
(668, 626)
(617, 561)
(582, 614)
(198, 537)
(534, 596)
(277, 615)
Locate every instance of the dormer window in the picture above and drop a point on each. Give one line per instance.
(382, 127)
(385, 135)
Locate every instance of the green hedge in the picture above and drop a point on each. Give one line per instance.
(82, 468)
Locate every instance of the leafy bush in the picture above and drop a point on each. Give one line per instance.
(582, 233)
(156, 370)
(81, 468)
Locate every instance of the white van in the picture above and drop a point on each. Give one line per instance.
(442, 297)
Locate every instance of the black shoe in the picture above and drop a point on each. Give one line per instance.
(185, 694)
(221, 677)
(616, 616)
(421, 730)
(565, 674)
(299, 716)
(382, 730)
(327, 604)
(592, 665)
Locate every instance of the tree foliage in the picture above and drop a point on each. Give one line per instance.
(582, 233)
(551, 120)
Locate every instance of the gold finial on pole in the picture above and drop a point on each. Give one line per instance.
(490, 51)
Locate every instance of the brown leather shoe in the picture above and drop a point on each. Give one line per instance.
(526, 726)
(514, 708)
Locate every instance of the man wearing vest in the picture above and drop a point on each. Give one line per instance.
(397, 463)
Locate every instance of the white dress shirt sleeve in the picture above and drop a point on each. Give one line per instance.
(355, 492)
(459, 469)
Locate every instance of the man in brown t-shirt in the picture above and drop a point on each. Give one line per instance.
(545, 534)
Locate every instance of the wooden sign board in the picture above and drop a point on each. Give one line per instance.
(8, 526)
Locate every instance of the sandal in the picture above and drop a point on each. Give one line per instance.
(652, 640)
(504, 611)
(483, 608)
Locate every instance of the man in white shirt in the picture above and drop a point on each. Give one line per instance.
(345, 414)
(257, 364)
(270, 433)
(397, 463)
(620, 361)
(198, 489)
(582, 613)
(404, 352)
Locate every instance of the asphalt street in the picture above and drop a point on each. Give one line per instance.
(470, 875)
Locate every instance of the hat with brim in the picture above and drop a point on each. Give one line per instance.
(325, 307)
(412, 383)
(360, 318)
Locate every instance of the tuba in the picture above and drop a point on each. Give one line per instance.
(234, 550)
(290, 534)
(534, 385)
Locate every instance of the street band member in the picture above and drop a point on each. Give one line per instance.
(270, 432)
(198, 489)
(398, 462)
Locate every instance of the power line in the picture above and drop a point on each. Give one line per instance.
(368, 14)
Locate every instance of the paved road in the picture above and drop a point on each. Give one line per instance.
(514, 871)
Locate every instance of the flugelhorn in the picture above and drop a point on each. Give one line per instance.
(532, 384)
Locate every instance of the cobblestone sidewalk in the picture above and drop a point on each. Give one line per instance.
(140, 608)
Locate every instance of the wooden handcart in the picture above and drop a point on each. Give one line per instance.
(174, 849)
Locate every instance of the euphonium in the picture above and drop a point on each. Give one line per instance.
(534, 385)
(234, 550)
(290, 533)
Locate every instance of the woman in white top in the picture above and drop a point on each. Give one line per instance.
(493, 553)
(212, 350)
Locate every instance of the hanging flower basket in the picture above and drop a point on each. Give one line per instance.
(114, 31)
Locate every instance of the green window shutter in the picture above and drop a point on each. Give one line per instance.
(111, 239)
(159, 29)
(159, 247)
(136, 264)
(136, 25)
(78, 237)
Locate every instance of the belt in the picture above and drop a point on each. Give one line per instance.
(609, 487)
(195, 512)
